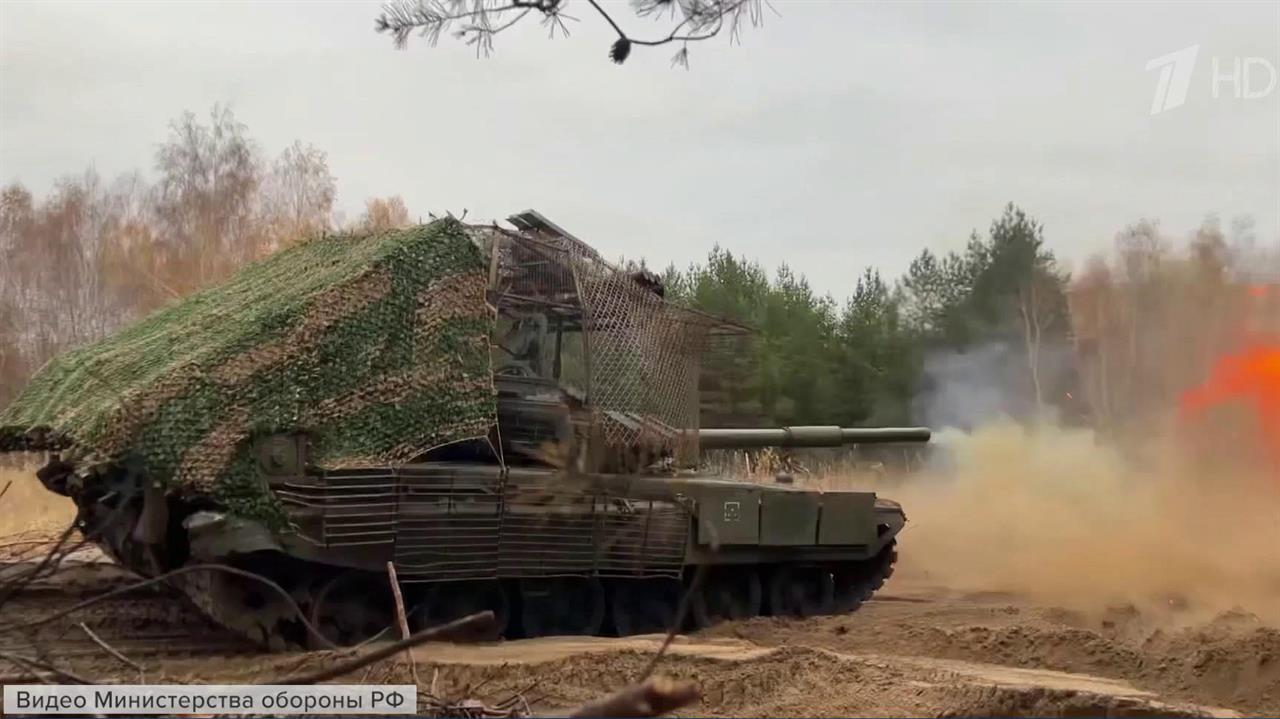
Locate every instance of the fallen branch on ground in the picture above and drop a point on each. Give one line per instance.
(682, 611)
(22, 678)
(142, 675)
(443, 632)
(402, 619)
(24, 543)
(169, 575)
(12, 587)
(35, 666)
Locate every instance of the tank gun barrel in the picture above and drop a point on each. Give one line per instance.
(815, 436)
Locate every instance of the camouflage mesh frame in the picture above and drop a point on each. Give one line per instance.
(378, 348)
(634, 356)
(375, 346)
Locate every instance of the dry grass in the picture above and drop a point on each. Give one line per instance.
(811, 469)
(28, 506)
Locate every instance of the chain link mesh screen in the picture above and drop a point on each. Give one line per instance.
(633, 355)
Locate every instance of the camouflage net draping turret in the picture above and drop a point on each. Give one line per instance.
(376, 345)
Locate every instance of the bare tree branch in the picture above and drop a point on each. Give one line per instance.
(53, 558)
(481, 20)
(682, 611)
(403, 621)
(465, 625)
(36, 666)
(302, 617)
(142, 675)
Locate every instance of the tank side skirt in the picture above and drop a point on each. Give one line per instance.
(777, 555)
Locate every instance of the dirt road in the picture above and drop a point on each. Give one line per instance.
(916, 650)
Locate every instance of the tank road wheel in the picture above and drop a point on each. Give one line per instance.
(728, 594)
(851, 590)
(855, 582)
(801, 592)
(561, 606)
(644, 606)
(352, 607)
(446, 601)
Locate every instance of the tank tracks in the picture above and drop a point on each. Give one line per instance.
(355, 606)
(141, 623)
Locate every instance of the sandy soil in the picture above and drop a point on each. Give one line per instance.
(918, 649)
(41, 509)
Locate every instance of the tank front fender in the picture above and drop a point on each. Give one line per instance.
(214, 536)
(890, 521)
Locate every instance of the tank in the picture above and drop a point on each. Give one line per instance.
(491, 418)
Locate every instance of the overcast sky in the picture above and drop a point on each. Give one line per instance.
(839, 135)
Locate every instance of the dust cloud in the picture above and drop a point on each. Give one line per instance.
(1058, 515)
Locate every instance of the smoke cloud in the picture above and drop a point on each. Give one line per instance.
(1056, 514)
(991, 383)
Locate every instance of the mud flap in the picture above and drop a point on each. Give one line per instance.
(214, 536)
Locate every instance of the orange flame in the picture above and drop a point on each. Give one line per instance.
(1251, 376)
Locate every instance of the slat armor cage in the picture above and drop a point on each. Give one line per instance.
(453, 522)
(634, 358)
(574, 337)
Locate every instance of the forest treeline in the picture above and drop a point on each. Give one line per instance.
(997, 330)
(817, 360)
(994, 321)
(94, 253)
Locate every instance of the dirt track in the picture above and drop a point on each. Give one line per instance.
(916, 650)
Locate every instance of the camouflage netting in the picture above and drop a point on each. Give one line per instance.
(376, 345)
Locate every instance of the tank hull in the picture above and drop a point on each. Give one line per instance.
(550, 552)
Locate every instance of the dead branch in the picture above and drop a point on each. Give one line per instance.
(142, 675)
(28, 674)
(167, 576)
(654, 697)
(23, 678)
(34, 665)
(403, 621)
(4, 491)
(682, 611)
(471, 623)
(24, 543)
(513, 706)
(53, 557)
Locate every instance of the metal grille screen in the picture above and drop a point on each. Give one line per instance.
(635, 356)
